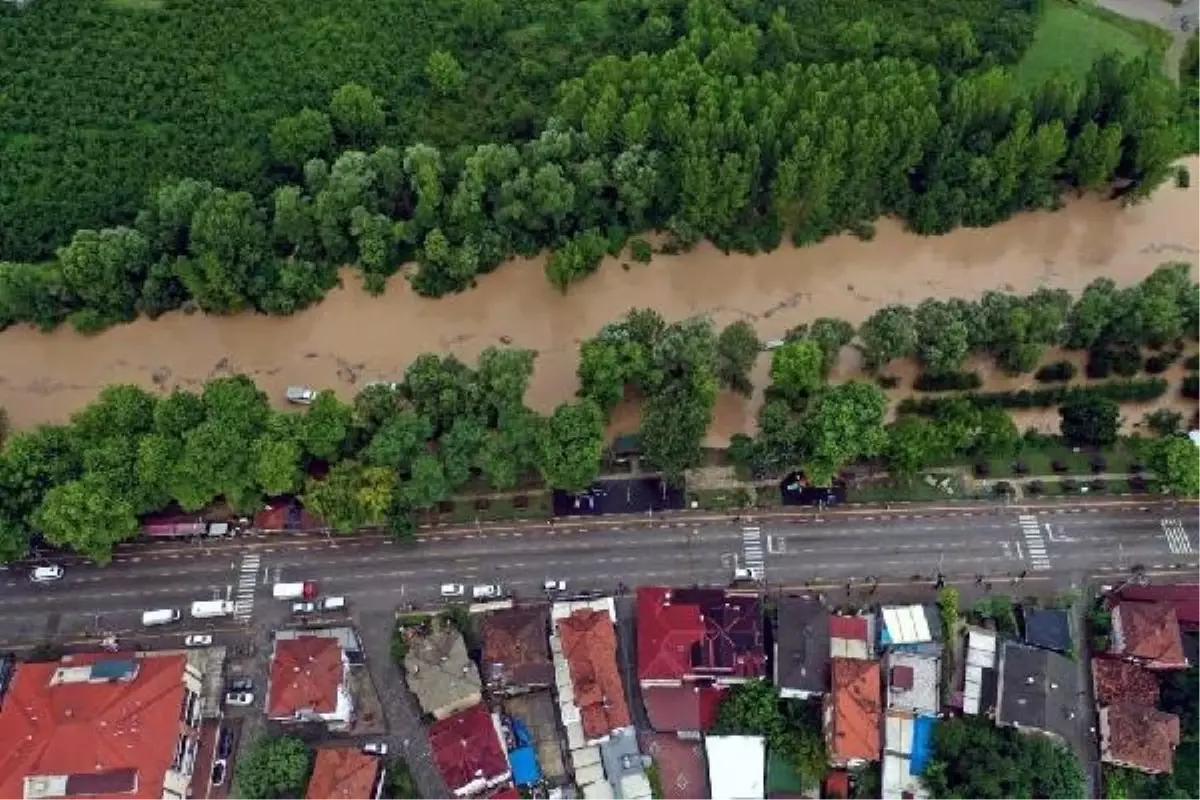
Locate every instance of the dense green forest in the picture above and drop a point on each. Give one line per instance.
(448, 428)
(238, 157)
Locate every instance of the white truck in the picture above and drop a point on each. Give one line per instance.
(160, 616)
(300, 590)
(205, 609)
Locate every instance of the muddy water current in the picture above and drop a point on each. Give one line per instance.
(351, 337)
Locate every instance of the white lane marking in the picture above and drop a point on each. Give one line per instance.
(1178, 540)
(243, 609)
(1034, 542)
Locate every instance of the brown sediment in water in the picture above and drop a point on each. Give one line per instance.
(351, 337)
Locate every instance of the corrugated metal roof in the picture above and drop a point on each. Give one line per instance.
(906, 624)
(899, 735)
(981, 649)
(972, 689)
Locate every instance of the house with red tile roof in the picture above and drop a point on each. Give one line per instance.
(309, 680)
(1117, 681)
(345, 773)
(853, 712)
(1138, 737)
(588, 643)
(849, 636)
(469, 752)
(1148, 634)
(1184, 597)
(101, 725)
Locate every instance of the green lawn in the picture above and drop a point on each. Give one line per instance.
(1072, 36)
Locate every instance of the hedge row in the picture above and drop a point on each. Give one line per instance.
(947, 382)
(1130, 391)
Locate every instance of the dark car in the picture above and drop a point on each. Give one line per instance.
(240, 685)
(224, 743)
(218, 772)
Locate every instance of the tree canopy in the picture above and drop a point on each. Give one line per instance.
(273, 766)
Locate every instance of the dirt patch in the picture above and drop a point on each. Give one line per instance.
(682, 767)
(351, 337)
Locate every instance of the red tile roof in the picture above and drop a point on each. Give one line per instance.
(1185, 597)
(682, 708)
(853, 730)
(516, 650)
(589, 645)
(686, 633)
(1140, 737)
(98, 730)
(1117, 681)
(837, 783)
(1149, 632)
(467, 747)
(343, 773)
(305, 675)
(842, 627)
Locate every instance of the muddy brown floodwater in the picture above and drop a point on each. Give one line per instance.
(351, 337)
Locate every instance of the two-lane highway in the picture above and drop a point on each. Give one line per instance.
(805, 548)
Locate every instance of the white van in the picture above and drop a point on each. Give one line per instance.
(490, 591)
(203, 609)
(161, 616)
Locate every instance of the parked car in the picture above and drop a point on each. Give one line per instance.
(305, 607)
(453, 590)
(301, 395)
(198, 640)
(242, 684)
(219, 769)
(746, 574)
(332, 604)
(46, 574)
(488, 591)
(554, 586)
(239, 698)
(376, 748)
(224, 743)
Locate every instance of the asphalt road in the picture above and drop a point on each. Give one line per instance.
(793, 550)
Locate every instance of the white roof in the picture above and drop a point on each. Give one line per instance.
(736, 766)
(906, 624)
(898, 735)
(981, 649)
(600, 790)
(584, 756)
(592, 773)
(848, 648)
(636, 787)
(897, 779)
(567, 608)
(972, 689)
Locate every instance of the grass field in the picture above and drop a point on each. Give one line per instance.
(1073, 35)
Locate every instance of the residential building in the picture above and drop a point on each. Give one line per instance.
(1183, 597)
(979, 676)
(913, 683)
(1147, 633)
(853, 712)
(99, 725)
(345, 773)
(699, 635)
(439, 671)
(516, 650)
(469, 752)
(1048, 628)
(309, 680)
(907, 626)
(1116, 681)
(687, 711)
(736, 766)
(850, 637)
(908, 745)
(592, 694)
(1138, 737)
(1038, 691)
(802, 647)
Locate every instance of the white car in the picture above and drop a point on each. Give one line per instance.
(239, 698)
(306, 607)
(554, 586)
(198, 640)
(301, 395)
(375, 748)
(746, 574)
(489, 591)
(332, 604)
(47, 574)
(453, 590)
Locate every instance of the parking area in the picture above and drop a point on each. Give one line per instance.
(626, 496)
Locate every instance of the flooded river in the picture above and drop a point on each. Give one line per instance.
(351, 337)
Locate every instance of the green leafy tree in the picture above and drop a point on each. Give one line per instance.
(738, 347)
(832, 335)
(943, 338)
(1089, 317)
(673, 424)
(14, 540)
(845, 423)
(913, 442)
(798, 368)
(891, 332)
(1088, 419)
(277, 455)
(792, 729)
(569, 445)
(105, 269)
(87, 517)
(301, 137)
(273, 767)
(427, 485)
(399, 441)
(357, 113)
(580, 256)
(996, 435)
(1176, 464)
(351, 496)
(446, 76)
(325, 425)
(460, 449)
(509, 449)
(442, 389)
(230, 255)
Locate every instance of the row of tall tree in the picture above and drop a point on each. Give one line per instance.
(713, 137)
(394, 451)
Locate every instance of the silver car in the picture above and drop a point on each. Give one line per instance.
(301, 395)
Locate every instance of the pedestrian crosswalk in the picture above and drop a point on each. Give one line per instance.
(243, 607)
(752, 551)
(1177, 538)
(1034, 543)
